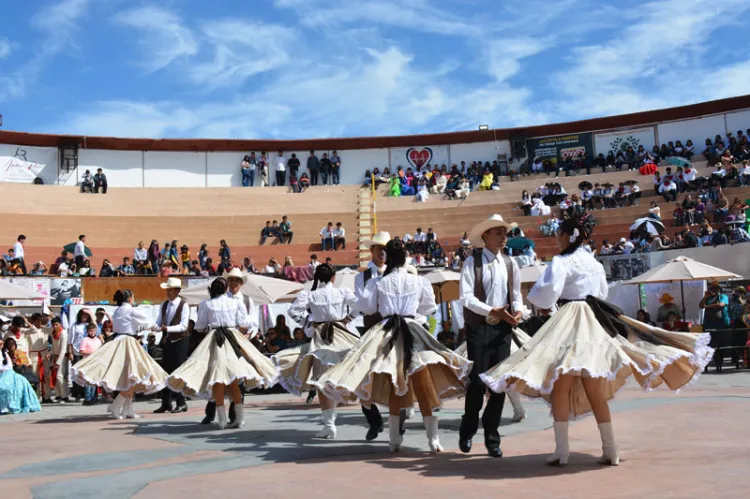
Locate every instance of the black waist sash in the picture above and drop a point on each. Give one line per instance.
(399, 327)
(223, 334)
(608, 316)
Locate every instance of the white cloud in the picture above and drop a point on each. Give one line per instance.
(660, 49)
(503, 57)
(164, 38)
(5, 48)
(242, 49)
(58, 25)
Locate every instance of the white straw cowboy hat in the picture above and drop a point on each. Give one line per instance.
(237, 274)
(379, 239)
(475, 236)
(172, 283)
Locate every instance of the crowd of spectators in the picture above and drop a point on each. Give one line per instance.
(324, 170)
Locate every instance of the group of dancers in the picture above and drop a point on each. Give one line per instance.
(577, 361)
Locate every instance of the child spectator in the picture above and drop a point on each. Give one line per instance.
(89, 345)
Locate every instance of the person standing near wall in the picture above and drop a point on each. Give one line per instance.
(335, 168)
(280, 164)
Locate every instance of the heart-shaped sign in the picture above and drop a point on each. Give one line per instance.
(419, 157)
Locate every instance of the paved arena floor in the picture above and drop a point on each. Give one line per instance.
(692, 445)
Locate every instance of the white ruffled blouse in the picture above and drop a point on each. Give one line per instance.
(570, 277)
(326, 304)
(221, 311)
(399, 293)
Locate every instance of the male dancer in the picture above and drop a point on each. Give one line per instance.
(490, 290)
(375, 268)
(235, 279)
(172, 321)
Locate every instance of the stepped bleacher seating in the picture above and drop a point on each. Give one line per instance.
(52, 216)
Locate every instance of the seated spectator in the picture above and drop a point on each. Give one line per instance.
(463, 190)
(87, 182)
(269, 231)
(299, 338)
(423, 191)
(368, 178)
(657, 244)
(669, 191)
(313, 264)
(719, 238)
(195, 269)
(273, 342)
(288, 262)
(654, 211)
(689, 149)
(39, 268)
(100, 182)
(185, 257)
(326, 237)
(273, 267)
(86, 270)
(339, 237)
(209, 267)
(126, 268)
(285, 230)
(303, 182)
(63, 269)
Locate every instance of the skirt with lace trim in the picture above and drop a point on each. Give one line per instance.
(574, 342)
(374, 368)
(120, 365)
(298, 367)
(210, 364)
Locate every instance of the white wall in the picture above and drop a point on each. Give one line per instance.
(696, 130)
(434, 155)
(46, 156)
(738, 121)
(356, 162)
(486, 151)
(174, 169)
(224, 169)
(122, 168)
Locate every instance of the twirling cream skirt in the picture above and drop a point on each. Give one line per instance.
(298, 367)
(573, 342)
(210, 364)
(120, 365)
(372, 369)
(519, 336)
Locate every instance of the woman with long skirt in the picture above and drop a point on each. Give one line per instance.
(123, 365)
(397, 360)
(17, 396)
(586, 351)
(300, 367)
(224, 359)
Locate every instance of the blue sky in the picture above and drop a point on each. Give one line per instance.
(327, 68)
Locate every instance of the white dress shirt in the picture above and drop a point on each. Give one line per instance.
(221, 311)
(689, 176)
(570, 277)
(494, 282)
(325, 304)
(407, 238)
(398, 293)
(76, 334)
(420, 237)
(80, 249)
(326, 232)
(664, 187)
(126, 320)
(140, 254)
(171, 310)
(339, 232)
(18, 250)
(251, 320)
(359, 279)
(280, 163)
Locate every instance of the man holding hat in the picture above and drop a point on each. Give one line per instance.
(490, 289)
(235, 280)
(172, 321)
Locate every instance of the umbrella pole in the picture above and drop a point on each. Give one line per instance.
(682, 292)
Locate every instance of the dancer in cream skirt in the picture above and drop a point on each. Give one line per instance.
(123, 365)
(300, 367)
(224, 358)
(586, 351)
(397, 361)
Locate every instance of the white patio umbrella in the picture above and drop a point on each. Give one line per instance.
(10, 291)
(682, 269)
(652, 225)
(344, 279)
(445, 283)
(532, 273)
(263, 290)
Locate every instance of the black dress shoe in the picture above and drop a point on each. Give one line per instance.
(162, 409)
(207, 420)
(182, 408)
(495, 452)
(373, 432)
(465, 445)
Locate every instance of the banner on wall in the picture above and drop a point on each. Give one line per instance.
(560, 147)
(624, 267)
(18, 170)
(66, 289)
(418, 157)
(622, 139)
(39, 285)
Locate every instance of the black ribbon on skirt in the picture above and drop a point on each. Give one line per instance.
(326, 334)
(222, 334)
(399, 327)
(608, 316)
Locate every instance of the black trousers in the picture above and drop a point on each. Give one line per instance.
(486, 346)
(280, 178)
(314, 177)
(175, 354)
